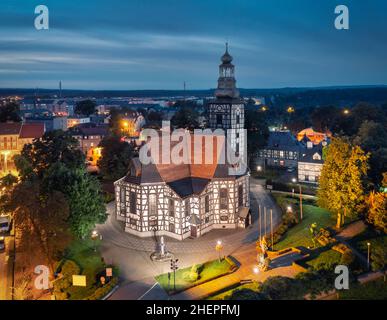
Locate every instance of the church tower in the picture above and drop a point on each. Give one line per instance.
(227, 110)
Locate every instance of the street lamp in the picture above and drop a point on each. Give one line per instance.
(294, 180)
(218, 248)
(289, 209)
(259, 168)
(256, 270)
(346, 111)
(368, 254)
(94, 237)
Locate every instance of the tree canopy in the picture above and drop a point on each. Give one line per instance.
(115, 158)
(10, 112)
(85, 107)
(341, 184)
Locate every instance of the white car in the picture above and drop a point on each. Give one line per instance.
(4, 224)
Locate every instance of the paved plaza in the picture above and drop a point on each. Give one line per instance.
(132, 254)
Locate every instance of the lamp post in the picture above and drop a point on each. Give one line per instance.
(174, 267)
(294, 180)
(218, 248)
(94, 237)
(368, 254)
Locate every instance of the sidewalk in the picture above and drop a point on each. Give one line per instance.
(247, 259)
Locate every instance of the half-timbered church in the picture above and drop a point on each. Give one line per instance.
(190, 199)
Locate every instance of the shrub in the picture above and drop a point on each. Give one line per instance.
(69, 268)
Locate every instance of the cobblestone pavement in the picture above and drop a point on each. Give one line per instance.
(132, 254)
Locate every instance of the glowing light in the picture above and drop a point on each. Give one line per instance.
(256, 270)
(259, 168)
(290, 109)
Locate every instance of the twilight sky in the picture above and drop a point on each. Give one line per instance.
(158, 44)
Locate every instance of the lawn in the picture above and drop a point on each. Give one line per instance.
(373, 290)
(206, 272)
(326, 259)
(90, 263)
(299, 235)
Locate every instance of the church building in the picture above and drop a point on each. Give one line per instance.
(190, 199)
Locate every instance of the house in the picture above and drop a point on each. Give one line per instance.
(89, 136)
(282, 150)
(13, 137)
(310, 164)
(314, 136)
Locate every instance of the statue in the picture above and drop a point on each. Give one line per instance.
(161, 253)
(263, 259)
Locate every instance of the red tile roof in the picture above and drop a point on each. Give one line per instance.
(32, 130)
(10, 128)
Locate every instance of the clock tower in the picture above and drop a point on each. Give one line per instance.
(227, 110)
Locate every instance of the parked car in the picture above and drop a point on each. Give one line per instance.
(2, 243)
(4, 224)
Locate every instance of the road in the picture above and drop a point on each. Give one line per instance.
(5, 279)
(132, 254)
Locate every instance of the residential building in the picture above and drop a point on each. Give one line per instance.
(13, 137)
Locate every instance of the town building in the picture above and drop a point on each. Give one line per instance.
(314, 136)
(310, 163)
(190, 199)
(282, 150)
(89, 137)
(13, 137)
(76, 120)
(50, 122)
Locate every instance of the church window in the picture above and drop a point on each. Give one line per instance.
(223, 198)
(152, 205)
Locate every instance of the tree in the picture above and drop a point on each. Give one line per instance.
(115, 158)
(324, 117)
(8, 181)
(41, 220)
(86, 204)
(10, 112)
(53, 147)
(371, 136)
(377, 213)
(83, 196)
(57, 165)
(341, 187)
(85, 107)
(257, 132)
(186, 116)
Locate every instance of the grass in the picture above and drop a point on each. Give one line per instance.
(326, 259)
(299, 235)
(206, 272)
(373, 290)
(223, 295)
(369, 235)
(83, 253)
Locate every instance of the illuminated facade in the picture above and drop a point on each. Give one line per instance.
(190, 199)
(13, 137)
